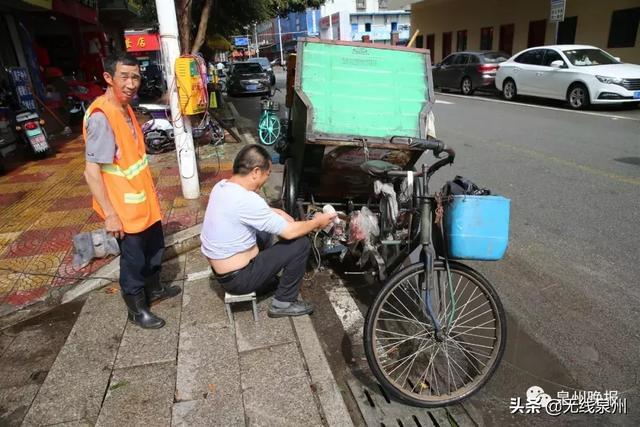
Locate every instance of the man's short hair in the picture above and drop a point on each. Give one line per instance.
(251, 157)
(111, 61)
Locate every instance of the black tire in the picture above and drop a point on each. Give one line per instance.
(380, 348)
(289, 192)
(578, 96)
(466, 86)
(509, 90)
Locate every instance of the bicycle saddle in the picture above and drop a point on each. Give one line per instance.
(378, 167)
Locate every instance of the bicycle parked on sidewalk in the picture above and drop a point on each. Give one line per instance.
(269, 126)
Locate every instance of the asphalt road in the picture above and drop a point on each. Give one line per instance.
(569, 281)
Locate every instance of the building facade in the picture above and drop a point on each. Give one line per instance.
(448, 26)
(350, 20)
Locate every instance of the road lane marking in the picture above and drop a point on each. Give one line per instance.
(439, 101)
(584, 168)
(542, 107)
(347, 310)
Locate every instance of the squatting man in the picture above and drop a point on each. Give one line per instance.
(238, 231)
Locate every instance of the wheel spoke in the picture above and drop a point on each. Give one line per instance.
(403, 348)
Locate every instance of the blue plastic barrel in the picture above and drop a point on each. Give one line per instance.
(477, 227)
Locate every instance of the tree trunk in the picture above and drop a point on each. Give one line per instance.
(202, 27)
(184, 24)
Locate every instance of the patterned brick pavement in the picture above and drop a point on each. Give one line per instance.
(44, 203)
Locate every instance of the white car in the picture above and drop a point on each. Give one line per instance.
(579, 74)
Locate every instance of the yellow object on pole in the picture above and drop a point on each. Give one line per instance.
(190, 86)
(413, 38)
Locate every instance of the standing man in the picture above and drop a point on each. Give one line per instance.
(118, 174)
(237, 234)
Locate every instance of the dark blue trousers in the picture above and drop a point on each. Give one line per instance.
(290, 256)
(140, 258)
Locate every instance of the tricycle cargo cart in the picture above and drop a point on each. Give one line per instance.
(360, 120)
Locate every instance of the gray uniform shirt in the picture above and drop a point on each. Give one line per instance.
(101, 142)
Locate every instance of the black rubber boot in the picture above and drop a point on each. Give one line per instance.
(156, 290)
(139, 312)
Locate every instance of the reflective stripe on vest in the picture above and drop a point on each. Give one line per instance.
(135, 198)
(129, 173)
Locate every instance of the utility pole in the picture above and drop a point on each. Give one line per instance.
(255, 34)
(281, 47)
(181, 127)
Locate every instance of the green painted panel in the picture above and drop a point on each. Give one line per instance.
(364, 91)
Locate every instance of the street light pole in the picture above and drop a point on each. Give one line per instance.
(181, 128)
(281, 47)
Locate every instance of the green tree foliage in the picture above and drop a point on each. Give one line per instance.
(226, 17)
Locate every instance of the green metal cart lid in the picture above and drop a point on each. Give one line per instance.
(363, 90)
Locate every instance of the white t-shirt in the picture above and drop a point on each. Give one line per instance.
(234, 215)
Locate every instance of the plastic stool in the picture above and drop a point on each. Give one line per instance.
(230, 299)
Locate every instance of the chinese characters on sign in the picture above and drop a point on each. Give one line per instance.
(579, 402)
(141, 42)
(557, 10)
(22, 85)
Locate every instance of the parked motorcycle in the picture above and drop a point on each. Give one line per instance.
(151, 89)
(159, 133)
(30, 128)
(158, 130)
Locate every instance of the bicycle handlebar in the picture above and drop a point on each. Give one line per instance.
(451, 155)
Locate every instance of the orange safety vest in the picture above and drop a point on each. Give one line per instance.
(128, 179)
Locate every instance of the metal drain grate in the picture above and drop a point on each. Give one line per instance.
(379, 410)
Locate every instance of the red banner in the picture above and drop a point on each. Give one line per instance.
(141, 42)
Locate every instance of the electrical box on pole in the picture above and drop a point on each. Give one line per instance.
(181, 126)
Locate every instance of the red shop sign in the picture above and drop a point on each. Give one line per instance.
(141, 42)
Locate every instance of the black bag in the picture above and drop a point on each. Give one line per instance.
(463, 186)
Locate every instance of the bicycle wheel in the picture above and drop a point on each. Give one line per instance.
(269, 129)
(401, 346)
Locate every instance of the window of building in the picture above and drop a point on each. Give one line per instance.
(367, 26)
(383, 4)
(420, 42)
(446, 44)
(431, 45)
(624, 27)
(394, 26)
(486, 38)
(361, 4)
(354, 28)
(567, 30)
(461, 43)
(506, 38)
(537, 31)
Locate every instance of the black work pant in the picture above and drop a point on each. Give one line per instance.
(140, 258)
(290, 256)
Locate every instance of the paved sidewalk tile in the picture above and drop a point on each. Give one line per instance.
(265, 332)
(139, 396)
(276, 389)
(146, 346)
(76, 383)
(207, 356)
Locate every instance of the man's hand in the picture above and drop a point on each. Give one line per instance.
(113, 225)
(324, 219)
(283, 214)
